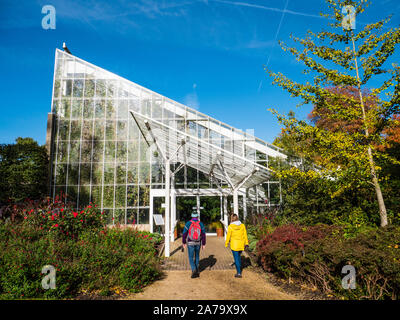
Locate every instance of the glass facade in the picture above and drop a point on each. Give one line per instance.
(99, 155)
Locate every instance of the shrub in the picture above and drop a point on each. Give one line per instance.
(86, 254)
(316, 255)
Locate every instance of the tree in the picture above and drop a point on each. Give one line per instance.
(23, 171)
(346, 58)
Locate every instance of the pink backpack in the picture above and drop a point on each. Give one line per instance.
(194, 231)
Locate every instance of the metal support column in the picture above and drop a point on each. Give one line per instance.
(173, 210)
(244, 205)
(167, 236)
(225, 215)
(198, 205)
(235, 202)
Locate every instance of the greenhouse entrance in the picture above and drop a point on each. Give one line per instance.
(213, 205)
(208, 208)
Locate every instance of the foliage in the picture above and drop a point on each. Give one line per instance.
(307, 199)
(258, 226)
(23, 171)
(86, 254)
(316, 256)
(348, 156)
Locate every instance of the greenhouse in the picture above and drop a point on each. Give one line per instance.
(137, 154)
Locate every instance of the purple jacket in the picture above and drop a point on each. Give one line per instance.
(186, 231)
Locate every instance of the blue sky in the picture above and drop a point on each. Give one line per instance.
(206, 54)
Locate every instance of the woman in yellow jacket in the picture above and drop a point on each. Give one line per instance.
(237, 236)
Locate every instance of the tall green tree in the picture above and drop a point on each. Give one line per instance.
(23, 171)
(345, 57)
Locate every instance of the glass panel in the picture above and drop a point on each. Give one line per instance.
(131, 216)
(66, 88)
(122, 130)
(88, 109)
(144, 193)
(109, 151)
(76, 112)
(134, 104)
(97, 173)
(75, 130)
(132, 173)
(120, 197)
(119, 216)
(74, 151)
(112, 89)
(123, 109)
(108, 197)
(72, 193)
(144, 216)
(133, 149)
(84, 196)
(100, 88)
(274, 193)
(109, 173)
(96, 195)
(110, 130)
(85, 173)
(62, 155)
(61, 173)
(73, 174)
(63, 130)
(87, 130)
(89, 88)
(121, 173)
(100, 109)
(144, 173)
(98, 147)
(108, 216)
(121, 151)
(132, 196)
(99, 126)
(110, 110)
(78, 88)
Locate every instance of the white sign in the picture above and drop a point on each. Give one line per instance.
(158, 219)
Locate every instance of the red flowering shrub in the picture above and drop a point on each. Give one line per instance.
(86, 254)
(58, 216)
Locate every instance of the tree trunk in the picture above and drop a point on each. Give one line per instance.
(379, 196)
(375, 181)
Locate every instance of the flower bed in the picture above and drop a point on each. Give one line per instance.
(86, 255)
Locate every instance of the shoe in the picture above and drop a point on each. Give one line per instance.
(238, 275)
(193, 274)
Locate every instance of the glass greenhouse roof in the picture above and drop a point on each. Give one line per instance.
(197, 153)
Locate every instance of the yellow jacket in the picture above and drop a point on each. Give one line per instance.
(237, 236)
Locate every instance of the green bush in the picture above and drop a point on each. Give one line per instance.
(87, 255)
(316, 256)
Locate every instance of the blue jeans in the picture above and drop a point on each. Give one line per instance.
(194, 253)
(236, 256)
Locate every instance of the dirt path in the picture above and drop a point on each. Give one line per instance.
(212, 285)
(216, 281)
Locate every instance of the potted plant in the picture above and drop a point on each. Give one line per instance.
(219, 228)
(179, 229)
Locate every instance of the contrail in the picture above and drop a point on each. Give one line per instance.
(276, 36)
(256, 6)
